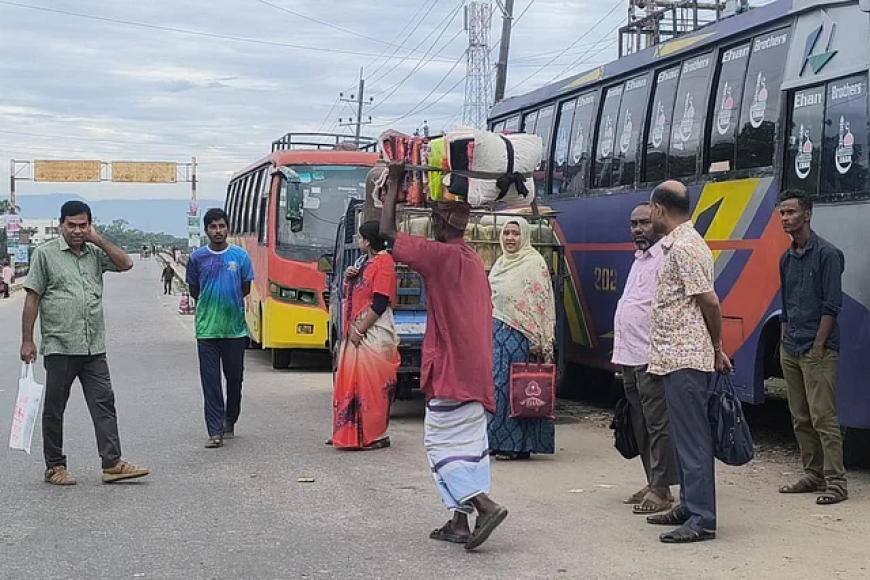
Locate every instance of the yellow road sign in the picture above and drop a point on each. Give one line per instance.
(144, 172)
(66, 171)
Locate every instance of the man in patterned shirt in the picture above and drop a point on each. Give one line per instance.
(219, 276)
(685, 348)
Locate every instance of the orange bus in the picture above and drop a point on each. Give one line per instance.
(284, 210)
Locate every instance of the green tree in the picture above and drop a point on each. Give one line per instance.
(121, 234)
(6, 207)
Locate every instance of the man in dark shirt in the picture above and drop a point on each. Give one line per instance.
(811, 273)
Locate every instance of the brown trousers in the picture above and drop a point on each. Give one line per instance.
(812, 401)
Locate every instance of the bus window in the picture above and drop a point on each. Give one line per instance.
(563, 140)
(633, 110)
(255, 202)
(228, 205)
(729, 94)
(660, 124)
(262, 232)
(581, 141)
(529, 122)
(234, 206)
(250, 194)
(804, 147)
(498, 127)
(845, 166)
(690, 113)
(512, 125)
(603, 173)
(759, 110)
(543, 129)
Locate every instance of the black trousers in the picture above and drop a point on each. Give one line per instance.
(93, 373)
(167, 286)
(215, 353)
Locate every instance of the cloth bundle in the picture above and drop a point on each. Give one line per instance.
(397, 146)
(478, 167)
(488, 167)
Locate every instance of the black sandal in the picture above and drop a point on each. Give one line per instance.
(687, 535)
(674, 517)
(446, 534)
(831, 496)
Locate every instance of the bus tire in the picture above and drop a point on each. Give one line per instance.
(281, 358)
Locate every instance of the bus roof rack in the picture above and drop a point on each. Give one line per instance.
(318, 141)
(652, 22)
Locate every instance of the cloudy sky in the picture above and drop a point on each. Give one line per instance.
(221, 79)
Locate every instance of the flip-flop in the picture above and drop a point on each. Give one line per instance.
(446, 534)
(485, 526)
(214, 442)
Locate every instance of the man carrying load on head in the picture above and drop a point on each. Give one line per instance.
(456, 373)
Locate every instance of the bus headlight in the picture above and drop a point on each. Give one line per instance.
(304, 329)
(297, 295)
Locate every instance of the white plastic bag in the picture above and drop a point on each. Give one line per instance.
(27, 405)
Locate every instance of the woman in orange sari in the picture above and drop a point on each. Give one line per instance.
(369, 359)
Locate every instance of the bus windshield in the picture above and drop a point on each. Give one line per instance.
(327, 191)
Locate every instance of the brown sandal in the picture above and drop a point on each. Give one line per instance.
(652, 503)
(58, 475)
(804, 485)
(214, 442)
(636, 497)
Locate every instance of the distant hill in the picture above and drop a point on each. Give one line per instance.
(150, 215)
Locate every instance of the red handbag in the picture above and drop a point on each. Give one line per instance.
(533, 391)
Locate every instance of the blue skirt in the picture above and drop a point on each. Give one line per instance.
(513, 435)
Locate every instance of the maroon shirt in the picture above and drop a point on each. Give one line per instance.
(457, 347)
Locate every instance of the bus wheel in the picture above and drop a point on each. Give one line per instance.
(281, 358)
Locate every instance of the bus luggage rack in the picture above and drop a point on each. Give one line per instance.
(321, 141)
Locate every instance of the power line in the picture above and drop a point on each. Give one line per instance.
(442, 25)
(415, 110)
(396, 39)
(329, 114)
(582, 58)
(569, 47)
(322, 23)
(407, 38)
(417, 67)
(186, 31)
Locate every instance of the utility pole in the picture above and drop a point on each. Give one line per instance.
(504, 50)
(359, 101)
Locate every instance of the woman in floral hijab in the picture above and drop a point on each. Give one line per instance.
(524, 326)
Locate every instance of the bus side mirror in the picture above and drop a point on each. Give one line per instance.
(326, 263)
(295, 212)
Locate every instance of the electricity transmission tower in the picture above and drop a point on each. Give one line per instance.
(478, 79)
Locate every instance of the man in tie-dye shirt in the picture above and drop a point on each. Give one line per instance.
(219, 276)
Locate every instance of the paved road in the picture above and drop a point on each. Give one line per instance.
(240, 513)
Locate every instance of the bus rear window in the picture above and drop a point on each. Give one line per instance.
(690, 113)
(604, 150)
(845, 166)
(581, 144)
(761, 102)
(631, 116)
(804, 147)
(726, 114)
(660, 124)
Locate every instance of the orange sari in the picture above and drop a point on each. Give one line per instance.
(366, 376)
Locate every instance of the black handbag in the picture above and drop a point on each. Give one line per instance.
(623, 433)
(732, 440)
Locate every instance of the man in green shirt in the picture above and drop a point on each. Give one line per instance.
(65, 287)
